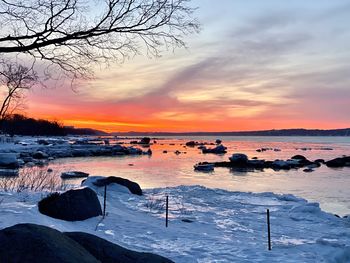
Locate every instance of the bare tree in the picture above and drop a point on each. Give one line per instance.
(75, 35)
(16, 79)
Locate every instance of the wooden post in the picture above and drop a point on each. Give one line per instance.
(104, 202)
(166, 211)
(268, 228)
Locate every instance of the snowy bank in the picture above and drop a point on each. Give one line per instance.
(225, 226)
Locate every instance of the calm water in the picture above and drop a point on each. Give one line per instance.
(329, 187)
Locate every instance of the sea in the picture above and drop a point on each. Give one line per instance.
(166, 167)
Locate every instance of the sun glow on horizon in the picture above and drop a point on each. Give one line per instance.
(262, 70)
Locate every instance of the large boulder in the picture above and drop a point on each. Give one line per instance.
(191, 143)
(339, 162)
(73, 205)
(26, 243)
(299, 157)
(145, 140)
(220, 149)
(239, 159)
(108, 252)
(8, 160)
(133, 187)
(30, 243)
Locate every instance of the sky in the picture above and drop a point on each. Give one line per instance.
(255, 65)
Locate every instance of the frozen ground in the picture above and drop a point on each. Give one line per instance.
(227, 226)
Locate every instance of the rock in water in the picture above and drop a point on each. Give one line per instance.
(145, 140)
(26, 243)
(73, 205)
(133, 187)
(220, 149)
(8, 160)
(191, 143)
(299, 157)
(239, 159)
(106, 251)
(339, 162)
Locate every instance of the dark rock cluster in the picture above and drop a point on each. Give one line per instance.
(239, 160)
(30, 243)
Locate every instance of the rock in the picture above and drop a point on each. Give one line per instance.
(299, 157)
(47, 245)
(74, 174)
(73, 205)
(118, 148)
(133, 187)
(40, 155)
(339, 162)
(204, 167)
(218, 141)
(165, 151)
(26, 243)
(185, 220)
(107, 252)
(145, 140)
(8, 172)
(308, 170)
(239, 159)
(49, 170)
(8, 160)
(191, 143)
(133, 151)
(257, 164)
(220, 149)
(280, 164)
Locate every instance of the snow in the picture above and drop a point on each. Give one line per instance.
(227, 226)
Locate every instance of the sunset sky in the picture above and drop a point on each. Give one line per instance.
(255, 65)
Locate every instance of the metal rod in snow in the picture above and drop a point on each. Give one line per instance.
(268, 228)
(104, 202)
(166, 211)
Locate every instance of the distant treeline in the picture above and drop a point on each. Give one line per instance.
(20, 125)
(284, 132)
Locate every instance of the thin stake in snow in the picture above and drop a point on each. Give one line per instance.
(166, 211)
(268, 228)
(104, 202)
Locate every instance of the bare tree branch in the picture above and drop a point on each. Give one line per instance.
(73, 35)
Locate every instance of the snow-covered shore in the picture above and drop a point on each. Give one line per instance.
(227, 226)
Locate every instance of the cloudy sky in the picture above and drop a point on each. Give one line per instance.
(254, 65)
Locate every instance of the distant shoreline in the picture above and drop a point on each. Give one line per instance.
(283, 132)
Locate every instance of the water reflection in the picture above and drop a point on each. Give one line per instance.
(166, 167)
